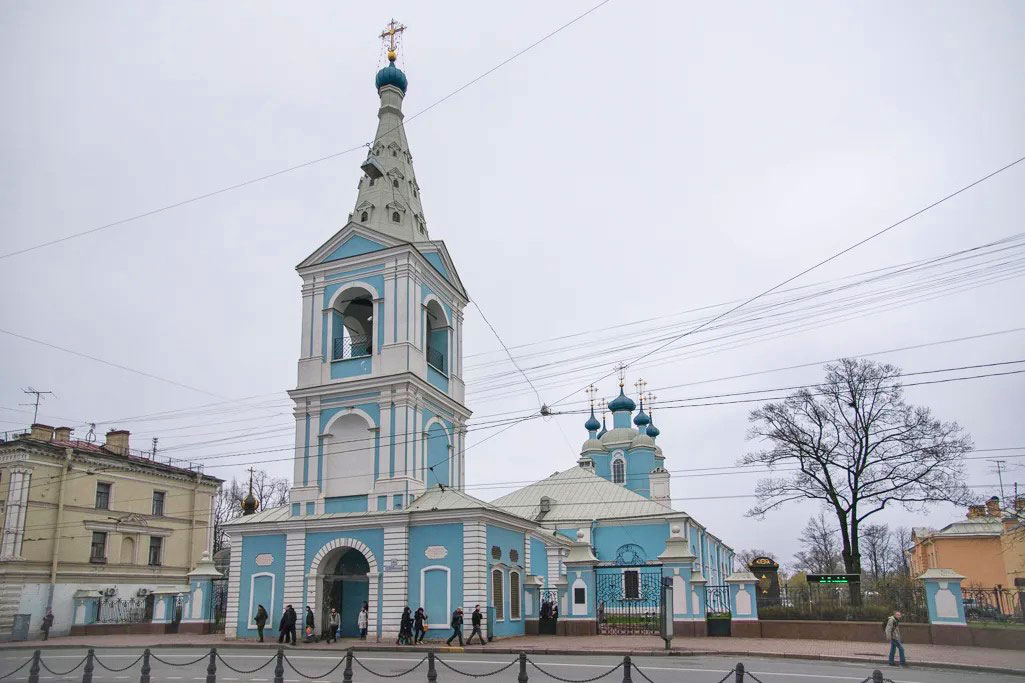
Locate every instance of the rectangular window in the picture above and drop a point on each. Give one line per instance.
(498, 594)
(382, 503)
(579, 596)
(631, 585)
(103, 495)
(98, 550)
(397, 501)
(158, 503)
(514, 595)
(156, 545)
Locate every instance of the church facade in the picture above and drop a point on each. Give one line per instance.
(378, 511)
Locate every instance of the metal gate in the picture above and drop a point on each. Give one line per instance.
(717, 599)
(548, 611)
(629, 600)
(219, 604)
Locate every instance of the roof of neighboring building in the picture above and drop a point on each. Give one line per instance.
(576, 494)
(973, 526)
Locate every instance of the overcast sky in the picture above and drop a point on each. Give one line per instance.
(651, 159)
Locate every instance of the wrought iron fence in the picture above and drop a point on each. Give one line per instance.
(121, 611)
(832, 602)
(717, 599)
(352, 346)
(994, 604)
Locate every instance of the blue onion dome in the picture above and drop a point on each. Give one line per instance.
(391, 75)
(641, 418)
(652, 430)
(604, 430)
(592, 424)
(621, 402)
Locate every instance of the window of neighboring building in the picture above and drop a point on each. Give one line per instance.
(618, 472)
(103, 495)
(395, 218)
(631, 585)
(156, 545)
(98, 549)
(514, 595)
(498, 594)
(158, 503)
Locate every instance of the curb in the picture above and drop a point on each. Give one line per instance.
(246, 645)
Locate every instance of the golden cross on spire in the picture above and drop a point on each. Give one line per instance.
(390, 34)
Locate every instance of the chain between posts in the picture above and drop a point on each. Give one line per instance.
(60, 675)
(429, 658)
(577, 680)
(490, 673)
(240, 671)
(23, 665)
(310, 676)
(124, 668)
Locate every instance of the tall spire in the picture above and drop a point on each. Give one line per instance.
(389, 196)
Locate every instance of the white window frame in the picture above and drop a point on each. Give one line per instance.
(163, 502)
(252, 595)
(617, 457)
(448, 593)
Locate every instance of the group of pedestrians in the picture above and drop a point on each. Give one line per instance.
(457, 626)
(289, 618)
(413, 626)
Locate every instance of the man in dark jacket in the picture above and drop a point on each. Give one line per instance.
(286, 627)
(457, 627)
(260, 620)
(475, 620)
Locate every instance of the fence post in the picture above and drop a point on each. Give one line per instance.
(211, 668)
(626, 669)
(432, 673)
(33, 671)
(740, 672)
(144, 673)
(279, 667)
(347, 673)
(522, 678)
(877, 676)
(87, 675)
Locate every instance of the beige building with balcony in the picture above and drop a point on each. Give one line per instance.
(82, 519)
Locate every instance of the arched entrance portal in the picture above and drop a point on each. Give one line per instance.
(345, 586)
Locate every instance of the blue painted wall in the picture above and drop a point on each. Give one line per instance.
(273, 545)
(351, 367)
(651, 538)
(354, 246)
(449, 536)
(435, 260)
(346, 504)
(506, 540)
(438, 380)
(438, 456)
(538, 558)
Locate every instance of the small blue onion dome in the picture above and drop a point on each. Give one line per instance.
(641, 418)
(604, 430)
(652, 430)
(621, 402)
(391, 75)
(592, 424)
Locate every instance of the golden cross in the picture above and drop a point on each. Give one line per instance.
(390, 32)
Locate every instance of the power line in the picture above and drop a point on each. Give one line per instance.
(813, 267)
(305, 164)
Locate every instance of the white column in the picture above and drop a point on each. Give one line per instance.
(475, 568)
(306, 348)
(394, 599)
(295, 572)
(389, 322)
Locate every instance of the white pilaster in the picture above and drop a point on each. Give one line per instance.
(475, 567)
(396, 578)
(295, 571)
(234, 576)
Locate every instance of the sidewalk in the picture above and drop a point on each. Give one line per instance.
(986, 659)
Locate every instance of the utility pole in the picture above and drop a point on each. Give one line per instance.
(35, 406)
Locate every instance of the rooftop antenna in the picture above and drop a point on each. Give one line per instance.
(35, 405)
(154, 453)
(91, 436)
(1000, 476)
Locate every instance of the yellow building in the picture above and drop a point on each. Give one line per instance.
(99, 532)
(987, 548)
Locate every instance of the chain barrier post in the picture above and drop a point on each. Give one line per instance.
(877, 676)
(522, 678)
(33, 672)
(740, 672)
(144, 673)
(279, 667)
(87, 674)
(432, 673)
(347, 674)
(211, 668)
(626, 670)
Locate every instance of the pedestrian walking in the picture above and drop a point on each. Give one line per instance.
(47, 624)
(457, 627)
(475, 619)
(286, 627)
(893, 633)
(362, 620)
(405, 628)
(261, 620)
(310, 625)
(334, 622)
(419, 625)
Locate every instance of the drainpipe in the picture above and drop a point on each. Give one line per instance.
(65, 465)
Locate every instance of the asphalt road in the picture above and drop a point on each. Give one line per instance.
(316, 663)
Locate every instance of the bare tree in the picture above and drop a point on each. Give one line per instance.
(877, 542)
(744, 557)
(856, 445)
(902, 544)
(270, 492)
(821, 554)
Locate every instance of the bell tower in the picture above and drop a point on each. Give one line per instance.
(379, 399)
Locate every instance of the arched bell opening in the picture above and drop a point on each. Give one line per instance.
(437, 337)
(352, 325)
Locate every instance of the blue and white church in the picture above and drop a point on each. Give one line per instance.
(378, 511)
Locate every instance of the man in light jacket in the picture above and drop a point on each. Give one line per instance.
(893, 633)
